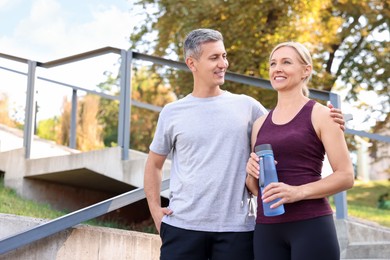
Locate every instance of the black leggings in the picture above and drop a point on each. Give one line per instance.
(308, 239)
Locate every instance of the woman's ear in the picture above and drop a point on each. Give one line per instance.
(307, 71)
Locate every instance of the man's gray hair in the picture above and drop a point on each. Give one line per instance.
(194, 40)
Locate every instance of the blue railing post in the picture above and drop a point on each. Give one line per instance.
(126, 146)
(29, 119)
(125, 104)
(340, 199)
(73, 120)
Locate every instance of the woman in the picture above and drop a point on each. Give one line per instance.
(300, 131)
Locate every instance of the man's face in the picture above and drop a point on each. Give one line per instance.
(209, 70)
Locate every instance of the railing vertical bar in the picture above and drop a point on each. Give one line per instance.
(340, 199)
(30, 108)
(127, 106)
(122, 86)
(73, 120)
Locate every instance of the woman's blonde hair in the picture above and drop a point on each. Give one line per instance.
(304, 58)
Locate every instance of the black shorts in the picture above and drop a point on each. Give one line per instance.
(182, 244)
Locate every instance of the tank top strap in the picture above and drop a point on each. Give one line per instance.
(306, 110)
(268, 119)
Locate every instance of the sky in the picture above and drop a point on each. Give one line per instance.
(45, 30)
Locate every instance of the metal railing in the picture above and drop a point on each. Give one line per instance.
(72, 219)
(125, 102)
(125, 199)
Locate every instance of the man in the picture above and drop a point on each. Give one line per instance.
(208, 133)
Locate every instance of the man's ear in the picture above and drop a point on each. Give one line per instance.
(191, 63)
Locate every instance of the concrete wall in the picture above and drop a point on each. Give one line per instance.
(81, 242)
(360, 239)
(363, 240)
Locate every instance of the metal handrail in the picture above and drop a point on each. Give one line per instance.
(231, 76)
(378, 137)
(67, 221)
(14, 58)
(80, 56)
(135, 103)
(66, 60)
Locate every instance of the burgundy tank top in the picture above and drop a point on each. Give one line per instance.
(300, 154)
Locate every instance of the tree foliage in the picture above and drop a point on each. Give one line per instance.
(47, 128)
(97, 118)
(109, 112)
(63, 136)
(4, 111)
(348, 39)
(147, 88)
(88, 131)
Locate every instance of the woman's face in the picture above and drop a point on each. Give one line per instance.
(286, 71)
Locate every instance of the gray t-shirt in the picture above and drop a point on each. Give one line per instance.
(210, 143)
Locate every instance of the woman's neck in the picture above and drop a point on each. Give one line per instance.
(291, 99)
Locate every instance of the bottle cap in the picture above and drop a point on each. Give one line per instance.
(262, 147)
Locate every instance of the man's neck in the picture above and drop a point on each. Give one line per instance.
(205, 93)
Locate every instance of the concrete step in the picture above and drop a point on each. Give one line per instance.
(80, 242)
(365, 250)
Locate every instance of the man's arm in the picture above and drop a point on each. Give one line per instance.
(152, 187)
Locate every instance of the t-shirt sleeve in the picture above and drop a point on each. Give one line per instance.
(258, 109)
(162, 141)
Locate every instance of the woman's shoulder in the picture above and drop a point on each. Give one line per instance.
(259, 121)
(321, 116)
(321, 109)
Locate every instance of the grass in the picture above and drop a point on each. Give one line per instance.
(362, 202)
(12, 203)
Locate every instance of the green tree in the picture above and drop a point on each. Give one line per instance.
(47, 128)
(63, 136)
(348, 39)
(4, 111)
(109, 111)
(147, 88)
(88, 130)
(97, 118)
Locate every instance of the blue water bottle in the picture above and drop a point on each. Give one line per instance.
(268, 174)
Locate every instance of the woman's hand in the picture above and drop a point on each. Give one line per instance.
(286, 193)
